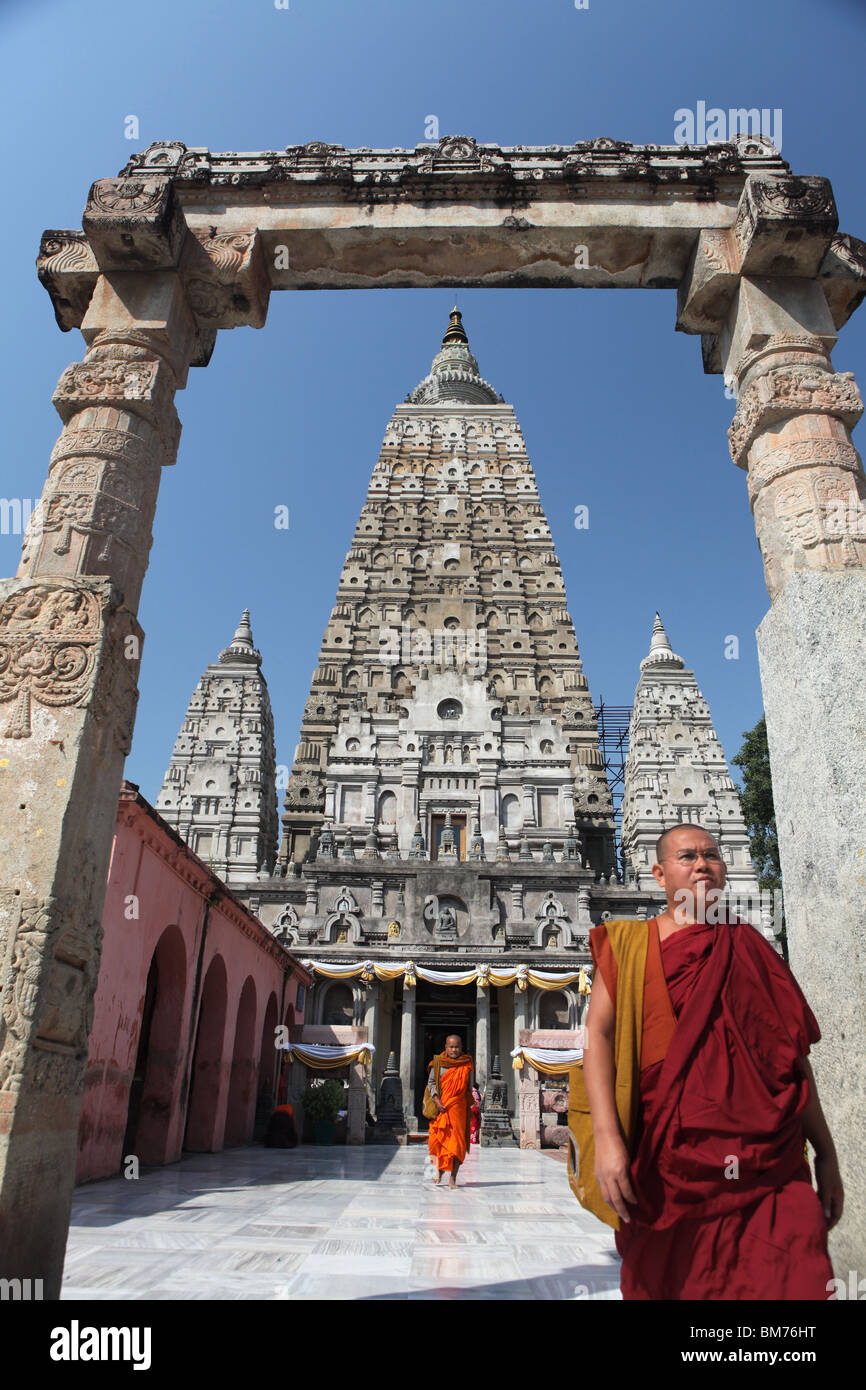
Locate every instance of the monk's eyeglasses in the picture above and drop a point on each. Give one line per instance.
(689, 856)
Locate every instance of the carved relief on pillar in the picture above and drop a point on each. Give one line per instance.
(791, 390)
(96, 511)
(54, 653)
(123, 376)
(805, 478)
(49, 635)
(813, 520)
(46, 1011)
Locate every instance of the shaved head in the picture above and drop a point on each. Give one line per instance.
(663, 842)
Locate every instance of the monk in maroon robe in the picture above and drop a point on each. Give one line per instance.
(715, 1199)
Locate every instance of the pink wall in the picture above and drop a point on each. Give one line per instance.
(218, 967)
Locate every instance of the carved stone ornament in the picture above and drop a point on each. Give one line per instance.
(305, 782)
(321, 707)
(127, 195)
(768, 211)
(134, 222)
(789, 391)
(49, 638)
(794, 455)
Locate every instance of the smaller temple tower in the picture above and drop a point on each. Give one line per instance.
(676, 771)
(219, 792)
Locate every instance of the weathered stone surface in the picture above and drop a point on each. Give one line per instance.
(785, 225)
(134, 223)
(70, 648)
(812, 649)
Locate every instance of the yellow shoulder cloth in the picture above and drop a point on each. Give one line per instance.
(628, 941)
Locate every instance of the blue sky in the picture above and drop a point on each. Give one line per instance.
(615, 407)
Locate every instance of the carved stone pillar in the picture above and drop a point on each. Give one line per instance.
(791, 433)
(407, 1058)
(357, 1106)
(768, 296)
(530, 1109)
(482, 1035)
(69, 654)
(371, 1023)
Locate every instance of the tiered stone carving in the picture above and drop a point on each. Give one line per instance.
(450, 666)
(219, 792)
(676, 771)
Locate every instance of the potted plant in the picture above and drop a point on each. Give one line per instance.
(322, 1101)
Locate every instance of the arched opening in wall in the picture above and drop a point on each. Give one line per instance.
(387, 809)
(553, 1011)
(338, 1006)
(512, 817)
(266, 1089)
(241, 1088)
(206, 1073)
(155, 1086)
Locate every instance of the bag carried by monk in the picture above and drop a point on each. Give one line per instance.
(428, 1104)
(628, 941)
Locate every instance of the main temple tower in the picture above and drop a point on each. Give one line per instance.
(448, 833)
(449, 677)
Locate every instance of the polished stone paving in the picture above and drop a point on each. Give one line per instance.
(338, 1223)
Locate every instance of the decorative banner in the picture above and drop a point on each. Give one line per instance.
(482, 974)
(327, 1056)
(548, 1060)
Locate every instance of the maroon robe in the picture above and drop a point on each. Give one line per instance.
(725, 1203)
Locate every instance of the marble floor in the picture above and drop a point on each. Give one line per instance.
(338, 1223)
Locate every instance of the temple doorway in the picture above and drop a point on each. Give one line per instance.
(435, 1022)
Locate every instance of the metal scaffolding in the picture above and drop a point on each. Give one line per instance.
(613, 725)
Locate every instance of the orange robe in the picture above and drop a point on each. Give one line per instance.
(725, 1025)
(448, 1137)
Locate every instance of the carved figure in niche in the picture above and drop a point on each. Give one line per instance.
(393, 931)
(343, 936)
(446, 925)
(552, 941)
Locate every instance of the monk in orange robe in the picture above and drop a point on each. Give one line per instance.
(714, 1194)
(448, 1138)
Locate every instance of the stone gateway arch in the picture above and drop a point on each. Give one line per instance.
(185, 242)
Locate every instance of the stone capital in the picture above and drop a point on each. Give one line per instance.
(226, 276)
(707, 289)
(784, 225)
(67, 267)
(144, 309)
(774, 315)
(843, 276)
(134, 223)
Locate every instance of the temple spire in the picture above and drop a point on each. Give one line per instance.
(454, 378)
(661, 651)
(456, 333)
(242, 646)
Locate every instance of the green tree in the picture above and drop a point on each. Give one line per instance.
(753, 760)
